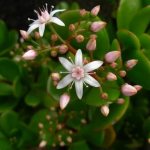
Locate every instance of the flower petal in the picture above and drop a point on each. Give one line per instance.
(91, 81)
(55, 11)
(92, 66)
(79, 88)
(32, 27)
(41, 29)
(57, 21)
(78, 58)
(67, 64)
(64, 82)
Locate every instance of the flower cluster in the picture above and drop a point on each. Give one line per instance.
(84, 70)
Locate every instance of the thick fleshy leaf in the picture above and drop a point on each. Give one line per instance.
(92, 66)
(126, 11)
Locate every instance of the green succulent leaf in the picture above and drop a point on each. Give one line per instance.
(80, 145)
(140, 21)
(126, 11)
(9, 69)
(5, 89)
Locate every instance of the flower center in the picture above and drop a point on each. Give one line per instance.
(44, 17)
(77, 72)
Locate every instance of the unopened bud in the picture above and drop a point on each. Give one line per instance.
(64, 100)
(91, 45)
(79, 38)
(131, 63)
(83, 12)
(24, 34)
(29, 55)
(63, 49)
(55, 83)
(42, 144)
(85, 61)
(97, 26)
(72, 27)
(53, 53)
(112, 56)
(128, 90)
(138, 87)
(69, 139)
(37, 35)
(104, 96)
(148, 140)
(111, 76)
(113, 65)
(95, 10)
(105, 110)
(29, 47)
(40, 125)
(54, 37)
(122, 73)
(55, 76)
(120, 101)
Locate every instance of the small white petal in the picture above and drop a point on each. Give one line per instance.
(32, 27)
(91, 81)
(67, 64)
(41, 29)
(64, 82)
(92, 66)
(57, 21)
(79, 88)
(78, 58)
(55, 11)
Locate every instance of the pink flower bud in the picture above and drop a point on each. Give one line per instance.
(95, 10)
(138, 87)
(53, 53)
(55, 76)
(122, 73)
(112, 56)
(64, 100)
(83, 12)
(54, 37)
(131, 63)
(97, 26)
(24, 34)
(79, 38)
(120, 101)
(29, 55)
(63, 49)
(111, 76)
(113, 65)
(42, 144)
(105, 110)
(72, 27)
(128, 90)
(104, 96)
(91, 45)
(37, 35)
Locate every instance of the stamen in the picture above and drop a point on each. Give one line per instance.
(36, 12)
(46, 6)
(71, 85)
(51, 8)
(61, 72)
(71, 60)
(85, 85)
(31, 19)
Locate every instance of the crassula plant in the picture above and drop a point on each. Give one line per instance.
(84, 69)
(70, 80)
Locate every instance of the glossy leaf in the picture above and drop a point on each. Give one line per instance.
(126, 11)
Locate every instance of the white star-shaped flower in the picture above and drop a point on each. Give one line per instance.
(78, 73)
(44, 17)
